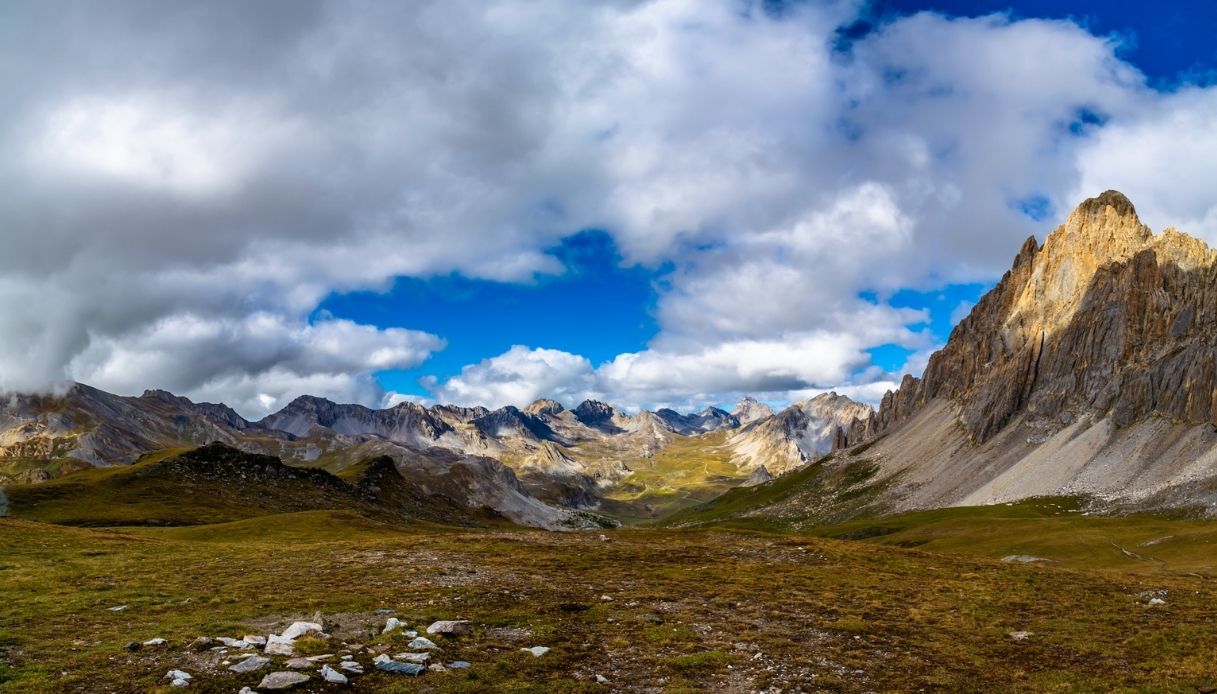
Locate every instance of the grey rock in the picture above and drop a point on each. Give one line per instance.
(298, 664)
(458, 627)
(422, 643)
(283, 680)
(278, 645)
(536, 651)
(251, 664)
(459, 665)
(386, 664)
(332, 676)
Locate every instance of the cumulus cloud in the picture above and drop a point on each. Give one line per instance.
(184, 185)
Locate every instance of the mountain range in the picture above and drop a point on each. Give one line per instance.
(542, 465)
(1089, 370)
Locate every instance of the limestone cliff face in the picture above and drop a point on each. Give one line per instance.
(1104, 319)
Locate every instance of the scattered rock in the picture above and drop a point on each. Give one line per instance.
(1023, 559)
(298, 664)
(246, 690)
(251, 664)
(258, 641)
(133, 646)
(1021, 635)
(420, 658)
(283, 680)
(458, 627)
(154, 642)
(606, 598)
(298, 629)
(117, 608)
(383, 613)
(422, 643)
(233, 643)
(352, 667)
(392, 624)
(332, 676)
(436, 667)
(1157, 601)
(278, 645)
(459, 665)
(601, 679)
(387, 664)
(537, 651)
(178, 678)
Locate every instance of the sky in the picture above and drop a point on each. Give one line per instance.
(665, 203)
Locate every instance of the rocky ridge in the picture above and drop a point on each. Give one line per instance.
(1090, 368)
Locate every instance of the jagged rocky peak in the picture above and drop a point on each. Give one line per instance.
(509, 421)
(750, 410)
(595, 414)
(545, 407)
(1104, 319)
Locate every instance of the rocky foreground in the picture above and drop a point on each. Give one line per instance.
(1106, 605)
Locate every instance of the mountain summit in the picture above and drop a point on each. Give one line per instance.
(1090, 368)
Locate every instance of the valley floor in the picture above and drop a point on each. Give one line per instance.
(649, 610)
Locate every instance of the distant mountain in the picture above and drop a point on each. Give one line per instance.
(527, 465)
(709, 419)
(798, 434)
(750, 410)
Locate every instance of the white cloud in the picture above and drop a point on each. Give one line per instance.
(257, 363)
(173, 223)
(1164, 159)
(518, 377)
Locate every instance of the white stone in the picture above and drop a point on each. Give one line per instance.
(422, 643)
(332, 676)
(537, 651)
(298, 629)
(454, 627)
(392, 624)
(601, 679)
(255, 640)
(1157, 601)
(417, 658)
(154, 642)
(278, 645)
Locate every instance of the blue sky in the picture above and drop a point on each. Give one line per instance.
(599, 309)
(655, 203)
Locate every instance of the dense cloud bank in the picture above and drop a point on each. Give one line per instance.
(184, 185)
